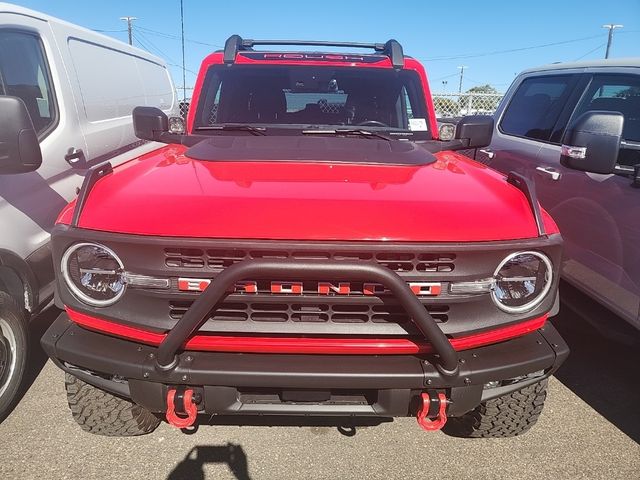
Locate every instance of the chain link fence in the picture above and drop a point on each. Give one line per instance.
(184, 108)
(448, 105)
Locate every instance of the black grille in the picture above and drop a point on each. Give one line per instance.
(216, 260)
(321, 312)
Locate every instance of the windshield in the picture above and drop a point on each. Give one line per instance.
(294, 96)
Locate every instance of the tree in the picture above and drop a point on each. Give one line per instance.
(484, 99)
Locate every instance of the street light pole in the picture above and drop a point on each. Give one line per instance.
(611, 28)
(129, 21)
(461, 67)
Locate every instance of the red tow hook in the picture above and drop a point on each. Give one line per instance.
(422, 416)
(189, 407)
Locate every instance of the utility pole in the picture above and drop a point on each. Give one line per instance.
(129, 21)
(461, 67)
(611, 28)
(444, 86)
(184, 71)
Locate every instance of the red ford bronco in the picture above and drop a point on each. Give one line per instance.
(310, 245)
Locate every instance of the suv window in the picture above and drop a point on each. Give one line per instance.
(298, 96)
(617, 93)
(536, 106)
(24, 74)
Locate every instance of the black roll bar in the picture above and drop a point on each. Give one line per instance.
(285, 269)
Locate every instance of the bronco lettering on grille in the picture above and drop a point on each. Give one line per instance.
(321, 288)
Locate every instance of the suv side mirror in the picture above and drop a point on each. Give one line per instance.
(477, 130)
(592, 143)
(151, 123)
(19, 146)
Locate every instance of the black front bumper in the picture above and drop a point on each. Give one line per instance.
(284, 384)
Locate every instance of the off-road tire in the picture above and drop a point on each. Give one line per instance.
(501, 417)
(12, 318)
(102, 413)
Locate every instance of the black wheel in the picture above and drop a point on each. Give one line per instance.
(505, 416)
(14, 345)
(102, 413)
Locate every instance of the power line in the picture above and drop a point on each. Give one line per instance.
(445, 77)
(590, 51)
(159, 52)
(177, 37)
(498, 52)
(109, 31)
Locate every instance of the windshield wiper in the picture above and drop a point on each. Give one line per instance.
(233, 127)
(348, 131)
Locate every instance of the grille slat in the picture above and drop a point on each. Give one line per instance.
(313, 313)
(217, 259)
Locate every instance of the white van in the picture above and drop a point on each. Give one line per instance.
(79, 88)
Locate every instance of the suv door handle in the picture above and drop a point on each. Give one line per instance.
(488, 152)
(74, 156)
(550, 171)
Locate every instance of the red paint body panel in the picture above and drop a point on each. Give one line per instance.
(165, 193)
(297, 345)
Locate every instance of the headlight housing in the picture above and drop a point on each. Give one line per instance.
(94, 274)
(521, 281)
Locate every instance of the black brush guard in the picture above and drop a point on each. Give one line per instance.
(447, 358)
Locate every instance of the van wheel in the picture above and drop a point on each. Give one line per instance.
(102, 413)
(505, 416)
(14, 344)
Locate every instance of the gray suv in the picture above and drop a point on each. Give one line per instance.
(575, 130)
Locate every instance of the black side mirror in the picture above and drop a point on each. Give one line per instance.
(475, 131)
(19, 146)
(149, 123)
(592, 143)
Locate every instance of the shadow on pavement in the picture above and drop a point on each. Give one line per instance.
(37, 357)
(603, 372)
(192, 467)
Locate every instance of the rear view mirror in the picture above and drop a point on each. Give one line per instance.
(19, 146)
(592, 143)
(475, 131)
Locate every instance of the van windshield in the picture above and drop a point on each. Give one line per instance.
(304, 97)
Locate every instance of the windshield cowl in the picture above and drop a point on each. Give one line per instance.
(315, 148)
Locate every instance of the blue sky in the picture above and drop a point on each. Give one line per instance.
(493, 39)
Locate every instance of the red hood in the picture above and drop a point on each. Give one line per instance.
(165, 193)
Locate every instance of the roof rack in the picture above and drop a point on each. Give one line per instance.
(236, 43)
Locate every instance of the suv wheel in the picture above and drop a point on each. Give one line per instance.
(102, 413)
(505, 416)
(14, 344)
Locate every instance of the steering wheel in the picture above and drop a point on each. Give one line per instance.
(372, 123)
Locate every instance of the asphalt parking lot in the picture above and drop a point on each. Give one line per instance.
(590, 428)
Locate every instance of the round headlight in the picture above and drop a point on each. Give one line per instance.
(522, 281)
(93, 273)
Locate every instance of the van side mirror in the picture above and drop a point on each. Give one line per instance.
(475, 131)
(592, 143)
(19, 146)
